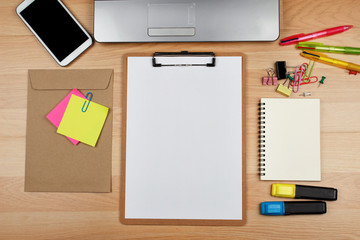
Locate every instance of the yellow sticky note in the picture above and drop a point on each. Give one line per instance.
(83, 126)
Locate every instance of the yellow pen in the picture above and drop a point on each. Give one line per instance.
(320, 57)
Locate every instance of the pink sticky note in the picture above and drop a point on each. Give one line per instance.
(56, 115)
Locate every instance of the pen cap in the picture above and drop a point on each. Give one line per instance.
(308, 55)
(305, 207)
(319, 47)
(311, 192)
(291, 39)
(316, 56)
(308, 45)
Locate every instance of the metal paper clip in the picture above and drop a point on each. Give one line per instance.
(91, 96)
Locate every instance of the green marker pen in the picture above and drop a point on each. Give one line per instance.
(320, 47)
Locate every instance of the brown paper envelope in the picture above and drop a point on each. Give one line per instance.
(53, 163)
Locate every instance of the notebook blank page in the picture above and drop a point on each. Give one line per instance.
(184, 140)
(292, 139)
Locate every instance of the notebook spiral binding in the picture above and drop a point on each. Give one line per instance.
(262, 139)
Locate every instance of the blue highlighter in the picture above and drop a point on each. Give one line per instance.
(292, 207)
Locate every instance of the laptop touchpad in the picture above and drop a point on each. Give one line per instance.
(171, 19)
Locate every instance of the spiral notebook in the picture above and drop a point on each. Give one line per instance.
(290, 139)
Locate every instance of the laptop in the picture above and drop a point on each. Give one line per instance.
(186, 20)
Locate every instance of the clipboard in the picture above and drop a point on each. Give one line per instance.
(183, 148)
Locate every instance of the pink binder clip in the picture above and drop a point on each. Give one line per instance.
(270, 79)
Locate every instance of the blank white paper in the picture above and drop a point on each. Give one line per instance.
(184, 140)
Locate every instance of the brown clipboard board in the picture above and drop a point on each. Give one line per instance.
(185, 222)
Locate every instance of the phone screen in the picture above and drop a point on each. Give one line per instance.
(54, 26)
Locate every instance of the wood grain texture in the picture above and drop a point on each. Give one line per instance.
(96, 216)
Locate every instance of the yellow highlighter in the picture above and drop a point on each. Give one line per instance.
(302, 191)
(323, 58)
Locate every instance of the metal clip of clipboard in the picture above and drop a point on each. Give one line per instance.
(183, 53)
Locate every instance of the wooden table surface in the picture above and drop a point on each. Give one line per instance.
(25, 215)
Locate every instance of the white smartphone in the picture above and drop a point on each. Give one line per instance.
(56, 28)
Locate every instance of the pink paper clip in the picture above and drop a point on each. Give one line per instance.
(270, 79)
(299, 75)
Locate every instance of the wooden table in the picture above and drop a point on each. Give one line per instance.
(26, 215)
